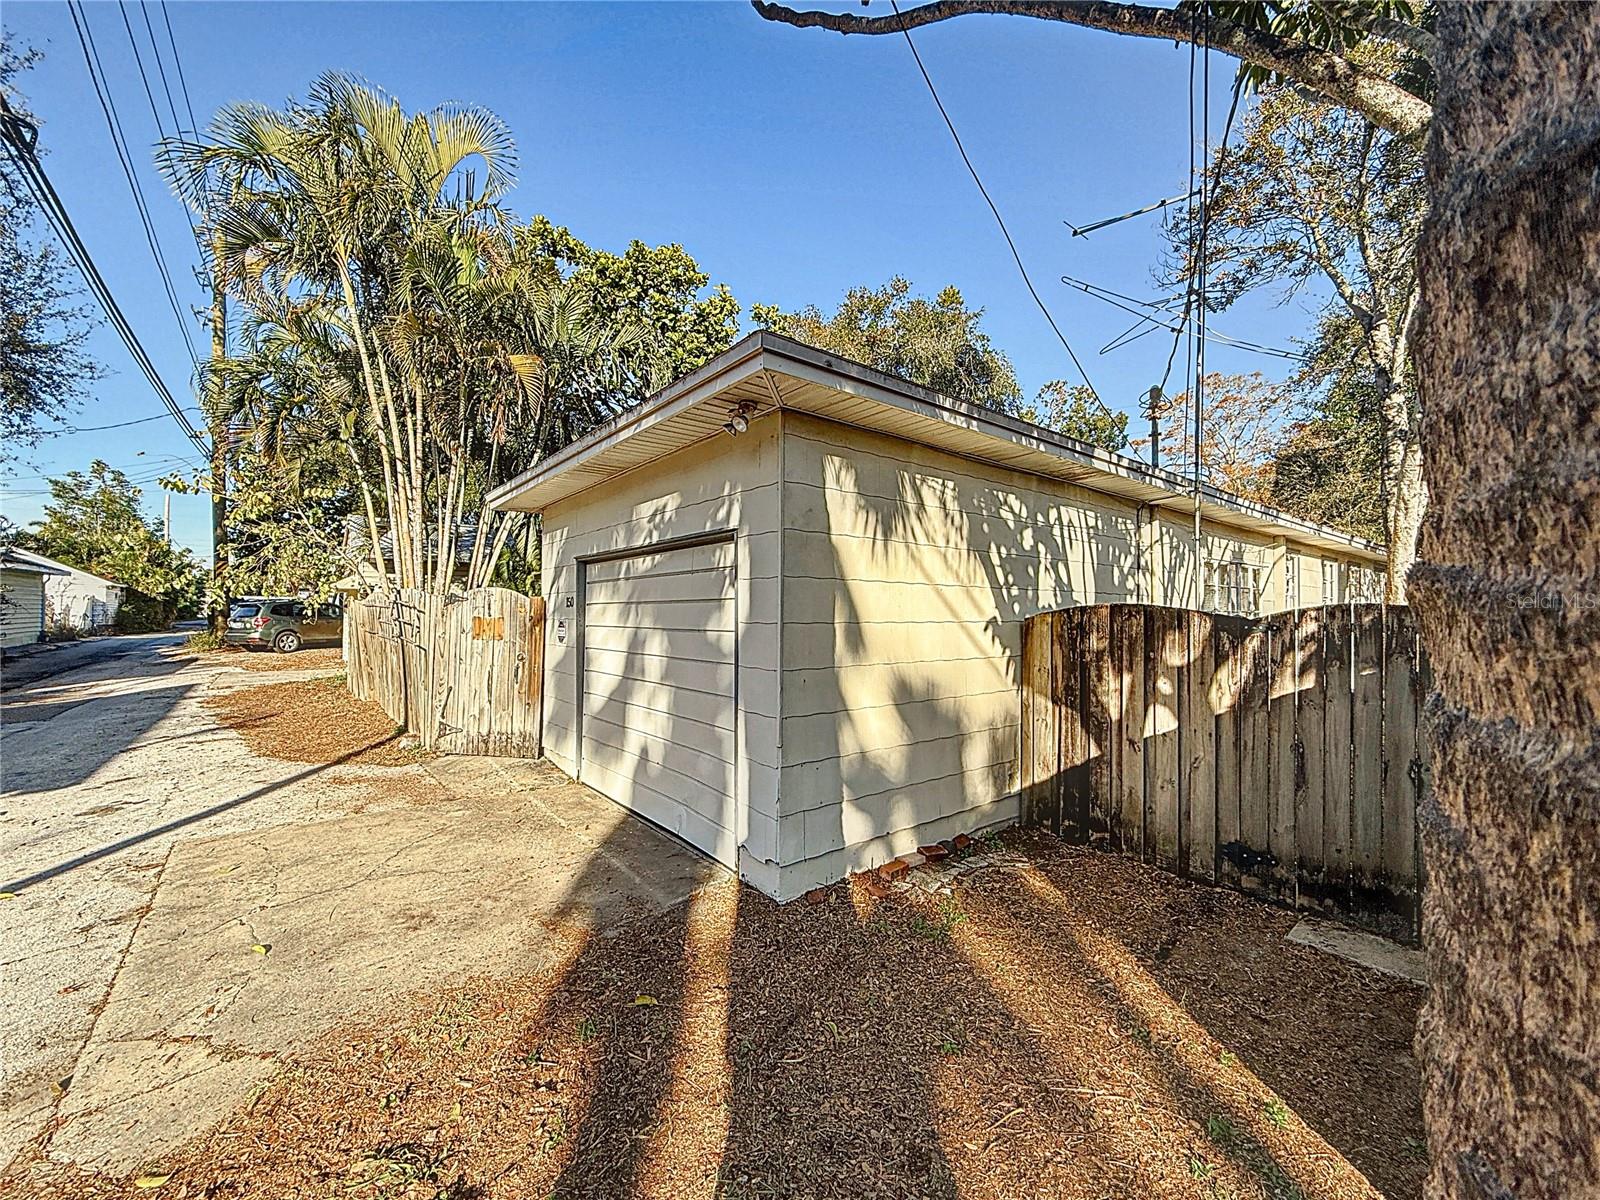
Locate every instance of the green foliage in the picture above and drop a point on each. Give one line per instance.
(1221, 1131)
(936, 343)
(408, 345)
(94, 522)
(1336, 25)
(518, 568)
(43, 326)
(1330, 465)
(286, 522)
(660, 287)
(204, 640)
(1073, 410)
(140, 612)
(949, 917)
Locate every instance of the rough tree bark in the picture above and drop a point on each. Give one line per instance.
(1507, 589)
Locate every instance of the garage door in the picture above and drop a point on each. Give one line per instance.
(657, 731)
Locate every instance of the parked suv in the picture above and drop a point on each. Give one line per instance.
(283, 623)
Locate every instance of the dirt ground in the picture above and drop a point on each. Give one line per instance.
(331, 658)
(312, 721)
(1079, 1028)
(184, 916)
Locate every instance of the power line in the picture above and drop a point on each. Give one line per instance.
(19, 149)
(117, 425)
(155, 49)
(183, 84)
(999, 220)
(1189, 293)
(145, 464)
(91, 58)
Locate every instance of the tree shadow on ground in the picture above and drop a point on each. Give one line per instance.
(43, 755)
(1033, 1035)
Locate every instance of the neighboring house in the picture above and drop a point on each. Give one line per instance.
(785, 600)
(22, 599)
(74, 598)
(366, 577)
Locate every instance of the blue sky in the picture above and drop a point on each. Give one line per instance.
(791, 164)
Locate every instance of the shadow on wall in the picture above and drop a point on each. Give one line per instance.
(689, 753)
(932, 577)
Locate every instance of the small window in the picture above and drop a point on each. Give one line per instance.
(241, 611)
(1291, 581)
(1233, 587)
(330, 612)
(286, 610)
(1366, 586)
(1330, 583)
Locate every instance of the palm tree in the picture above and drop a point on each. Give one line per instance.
(372, 251)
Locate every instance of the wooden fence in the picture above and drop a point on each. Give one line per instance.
(462, 672)
(1280, 755)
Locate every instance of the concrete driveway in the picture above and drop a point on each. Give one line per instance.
(181, 914)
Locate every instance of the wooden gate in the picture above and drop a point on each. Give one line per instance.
(463, 672)
(1280, 755)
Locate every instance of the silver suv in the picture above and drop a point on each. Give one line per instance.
(283, 623)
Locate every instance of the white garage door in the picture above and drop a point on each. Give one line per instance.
(657, 732)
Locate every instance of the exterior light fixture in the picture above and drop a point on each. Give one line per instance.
(739, 419)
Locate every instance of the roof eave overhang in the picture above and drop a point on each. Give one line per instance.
(1017, 445)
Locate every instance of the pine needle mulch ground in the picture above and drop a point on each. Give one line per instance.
(1080, 1029)
(312, 721)
(331, 658)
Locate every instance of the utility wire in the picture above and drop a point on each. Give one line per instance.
(183, 84)
(91, 58)
(1222, 153)
(117, 425)
(155, 49)
(999, 220)
(33, 176)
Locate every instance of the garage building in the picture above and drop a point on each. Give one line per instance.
(22, 598)
(785, 600)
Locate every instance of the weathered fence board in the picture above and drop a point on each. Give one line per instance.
(462, 672)
(1280, 755)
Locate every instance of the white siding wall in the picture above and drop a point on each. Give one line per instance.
(907, 574)
(722, 484)
(902, 575)
(21, 608)
(82, 600)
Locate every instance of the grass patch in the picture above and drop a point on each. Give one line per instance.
(942, 924)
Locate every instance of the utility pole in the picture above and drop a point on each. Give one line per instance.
(219, 447)
(1153, 400)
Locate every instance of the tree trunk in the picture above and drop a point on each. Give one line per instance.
(1407, 501)
(216, 419)
(1507, 590)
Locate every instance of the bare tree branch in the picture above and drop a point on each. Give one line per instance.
(1381, 100)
